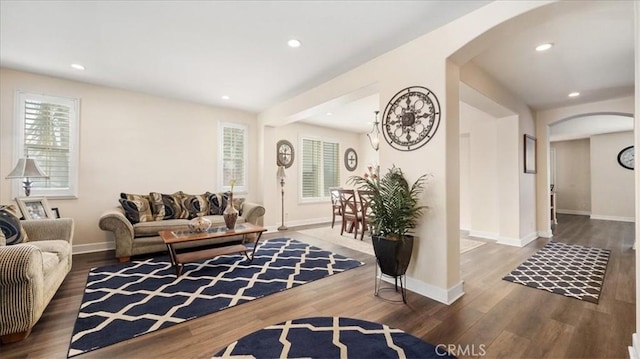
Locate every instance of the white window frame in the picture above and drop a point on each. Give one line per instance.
(74, 143)
(301, 198)
(224, 187)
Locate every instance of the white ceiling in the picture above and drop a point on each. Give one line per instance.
(201, 50)
(587, 126)
(593, 54)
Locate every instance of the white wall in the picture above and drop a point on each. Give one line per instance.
(573, 176)
(435, 269)
(129, 142)
(516, 193)
(465, 195)
(297, 211)
(612, 186)
(481, 179)
(621, 106)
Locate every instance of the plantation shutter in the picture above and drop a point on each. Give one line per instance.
(47, 140)
(320, 168)
(311, 151)
(47, 131)
(234, 161)
(331, 173)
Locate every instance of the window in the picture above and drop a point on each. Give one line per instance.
(233, 157)
(47, 131)
(320, 168)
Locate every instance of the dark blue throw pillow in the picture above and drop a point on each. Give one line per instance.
(10, 225)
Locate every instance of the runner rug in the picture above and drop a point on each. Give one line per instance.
(567, 269)
(331, 337)
(123, 301)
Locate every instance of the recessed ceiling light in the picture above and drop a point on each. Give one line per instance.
(225, 97)
(294, 43)
(77, 66)
(544, 47)
(574, 94)
(329, 113)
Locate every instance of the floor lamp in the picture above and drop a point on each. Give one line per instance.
(281, 176)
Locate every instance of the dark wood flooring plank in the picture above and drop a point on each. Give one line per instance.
(508, 320)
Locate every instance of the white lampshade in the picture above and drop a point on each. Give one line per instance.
(281, 175)
(27, 167)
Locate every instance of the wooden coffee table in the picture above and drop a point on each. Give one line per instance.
(178, 260)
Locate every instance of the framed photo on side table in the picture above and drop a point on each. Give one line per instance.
(35, 208)
(529, 154)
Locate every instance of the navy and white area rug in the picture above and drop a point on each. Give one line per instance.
(567, 269)
(123, 301)
(331, 337)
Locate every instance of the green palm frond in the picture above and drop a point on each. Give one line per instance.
(394, 208)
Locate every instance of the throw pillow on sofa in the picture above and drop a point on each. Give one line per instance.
(196, 205)
(10, 225)
(238, 203)
(136, 207)
(167, 206)
(217, 202)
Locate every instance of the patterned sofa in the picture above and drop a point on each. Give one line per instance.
(136, 223)
(35, 258)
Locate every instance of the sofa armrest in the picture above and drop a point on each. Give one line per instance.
(22, 287)
(253, 213)
(49, 229)
(113, 220)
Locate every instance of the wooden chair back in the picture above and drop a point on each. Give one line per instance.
(350, 212)
(364, 199)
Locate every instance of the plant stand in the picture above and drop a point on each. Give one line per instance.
(392, 259)
(402, 279)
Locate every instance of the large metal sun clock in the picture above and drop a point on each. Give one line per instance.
(411, 118)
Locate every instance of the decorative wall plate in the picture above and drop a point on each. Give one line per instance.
(284, 153)
(350, 159)
(411, 118)
(626, 158)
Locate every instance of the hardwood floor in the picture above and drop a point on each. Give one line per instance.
(495, 318)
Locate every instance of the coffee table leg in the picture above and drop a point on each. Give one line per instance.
(255, 245)
(174, 260)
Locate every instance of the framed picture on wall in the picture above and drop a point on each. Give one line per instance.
(35, 208)
(529, 154)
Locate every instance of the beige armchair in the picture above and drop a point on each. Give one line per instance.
(31, 273)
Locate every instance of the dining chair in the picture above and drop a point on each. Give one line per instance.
(336, 207)
(364, 199)
(350, 213)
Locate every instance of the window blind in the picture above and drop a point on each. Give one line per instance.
(311, 150)
(330, 165)
(47, 135)
(234, 142)
(320, 167)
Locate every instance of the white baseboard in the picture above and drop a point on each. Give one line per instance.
(447, 296)
(528, 238)
(613, 218)
(634, 350)
(482, 234)
(545, 234)
(517, 242)
(302, 222)
(93, 247)
(571, 211)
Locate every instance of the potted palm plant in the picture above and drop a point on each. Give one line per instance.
(394, 211)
